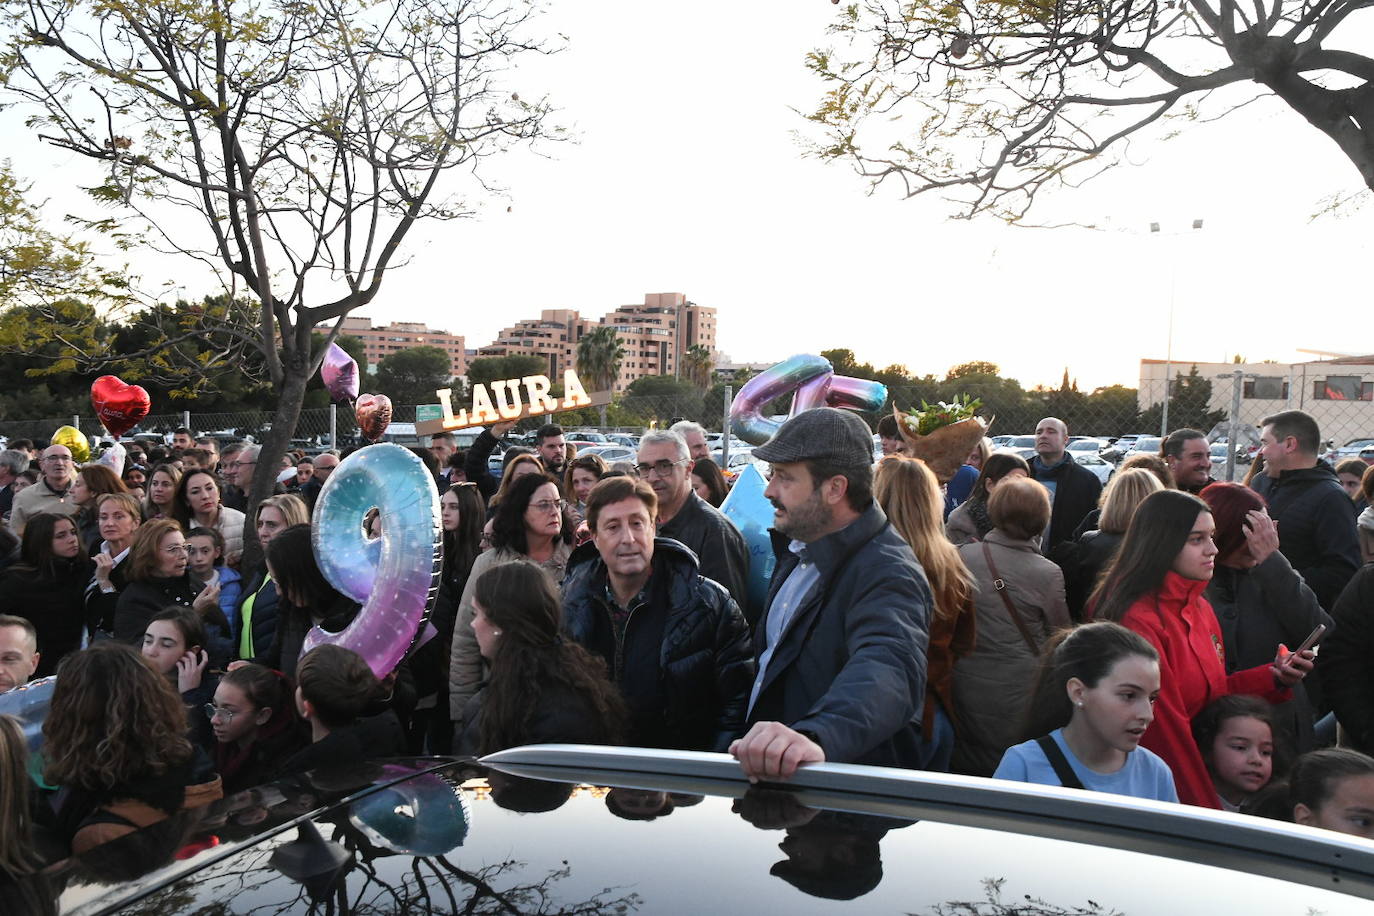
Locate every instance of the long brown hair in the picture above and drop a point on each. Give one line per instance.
(519, 600)
(16, 843)
(1158, 531)
(112, 720)
(909, 493)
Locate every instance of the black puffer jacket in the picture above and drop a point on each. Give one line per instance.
(1083, 560)
(685, 668)
(1316, 527)
(1259, 608)
(1346, 663)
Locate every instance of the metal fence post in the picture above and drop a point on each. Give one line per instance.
(725, 427)
(186, 419)
(1237, 384)
(333, 426)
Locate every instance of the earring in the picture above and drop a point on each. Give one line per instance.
(1080, 704)
(498, 633)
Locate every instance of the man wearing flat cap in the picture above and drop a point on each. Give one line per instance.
(842, 644)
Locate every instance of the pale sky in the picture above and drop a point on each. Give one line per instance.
(687, 178)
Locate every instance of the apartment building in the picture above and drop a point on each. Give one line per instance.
(403, 335)
(654, 335)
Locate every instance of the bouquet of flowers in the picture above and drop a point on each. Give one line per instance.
(942, 434)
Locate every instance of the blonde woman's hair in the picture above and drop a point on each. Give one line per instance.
(1126, 490)
(909, 493)
(16, 843)
(292, 509)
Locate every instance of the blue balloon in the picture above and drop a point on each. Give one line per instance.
(752, 514)
(29, 704)
(422, 816)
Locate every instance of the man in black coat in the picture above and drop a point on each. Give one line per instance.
(674, 642)
(1316, 516)
(665, 462)
(1073, 488)
(842, 644)
(1347, 676)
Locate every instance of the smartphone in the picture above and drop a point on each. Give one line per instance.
(1312, 639)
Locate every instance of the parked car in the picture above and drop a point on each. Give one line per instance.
(578, 829)
(1099, 466)
(1143, 445)
(609, 453)
(583, 435)
(622, 439)
(1016, 443)
(1355, 448)
(1086, 445)
(739, 458)
(1117, 450)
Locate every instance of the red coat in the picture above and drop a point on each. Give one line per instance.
(1180, 624)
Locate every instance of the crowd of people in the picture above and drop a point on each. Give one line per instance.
(1157, 638)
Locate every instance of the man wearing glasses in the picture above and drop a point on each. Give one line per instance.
(664, 462)
(51, 494)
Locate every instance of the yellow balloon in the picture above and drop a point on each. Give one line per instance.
(75, 441)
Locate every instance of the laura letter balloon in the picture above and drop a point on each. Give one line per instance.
(396, 575)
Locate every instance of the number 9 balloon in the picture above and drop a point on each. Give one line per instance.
(396, 575)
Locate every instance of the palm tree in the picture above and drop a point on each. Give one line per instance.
(697, 365)
(599, 354)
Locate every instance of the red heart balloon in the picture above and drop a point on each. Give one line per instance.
(374, 415)
(119, 406)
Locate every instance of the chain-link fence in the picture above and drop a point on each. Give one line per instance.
(1226, 402)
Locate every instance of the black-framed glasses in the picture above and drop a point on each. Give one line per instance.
(659, 468)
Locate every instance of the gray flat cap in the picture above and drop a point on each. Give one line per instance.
(838, 437)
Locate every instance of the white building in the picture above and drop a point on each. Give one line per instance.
(1339, 393)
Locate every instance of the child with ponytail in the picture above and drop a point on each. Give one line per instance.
(1093, 700)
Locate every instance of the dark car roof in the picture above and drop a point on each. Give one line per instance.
(574, 829)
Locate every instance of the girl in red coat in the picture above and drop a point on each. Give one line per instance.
(1154, 587)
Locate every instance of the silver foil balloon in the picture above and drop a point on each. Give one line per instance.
(394, 576)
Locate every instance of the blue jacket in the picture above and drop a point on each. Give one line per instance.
(850, 669)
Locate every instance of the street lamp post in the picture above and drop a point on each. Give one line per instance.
(1169, 346)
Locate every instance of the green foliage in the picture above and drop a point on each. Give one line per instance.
(487, 369)
(411, 376)
(698, 363)
(931, 417)
(1189, 396)
(40, 267)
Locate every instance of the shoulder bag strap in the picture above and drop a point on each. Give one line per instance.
(1067, 777)
(999, 585)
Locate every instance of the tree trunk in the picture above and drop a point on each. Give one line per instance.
(296, 374)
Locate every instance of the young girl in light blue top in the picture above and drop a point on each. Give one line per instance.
(1092, 703)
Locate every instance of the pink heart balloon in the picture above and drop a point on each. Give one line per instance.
(374, 415)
